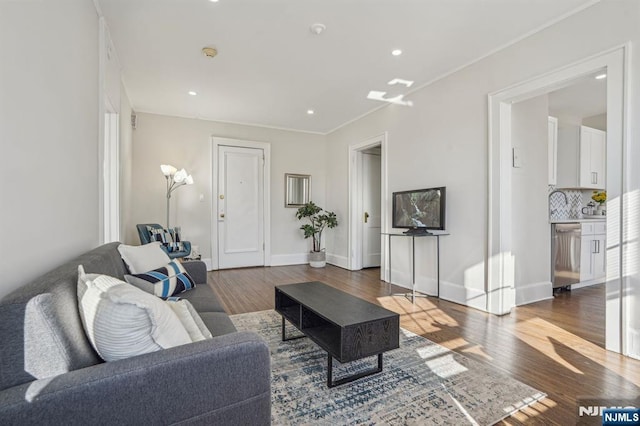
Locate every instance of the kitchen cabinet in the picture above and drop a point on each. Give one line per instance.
(592, 158)
(552, 149)
(581, 157)
(592, 252)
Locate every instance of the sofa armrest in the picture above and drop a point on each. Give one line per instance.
(225, 380)
(197, 269)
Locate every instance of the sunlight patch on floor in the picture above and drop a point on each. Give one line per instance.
(537, 332)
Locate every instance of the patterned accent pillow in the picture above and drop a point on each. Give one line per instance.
(170, 238)
(164, 282)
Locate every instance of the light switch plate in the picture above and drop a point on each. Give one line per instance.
(517, 157)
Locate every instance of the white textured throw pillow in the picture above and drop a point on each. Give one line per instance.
(190, 319)
(141, 259)
(122, 321)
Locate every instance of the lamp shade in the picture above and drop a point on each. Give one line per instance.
(180, 176)
(168, 170)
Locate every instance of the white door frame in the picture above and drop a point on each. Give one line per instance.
(500, 288)
(355, 224)
(266, 148)
(109, 137)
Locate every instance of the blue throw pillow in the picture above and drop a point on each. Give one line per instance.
(164, 282)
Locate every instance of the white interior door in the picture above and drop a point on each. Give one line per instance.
(371, 210)
(240, 207)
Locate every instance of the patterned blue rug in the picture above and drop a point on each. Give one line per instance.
(421, 383)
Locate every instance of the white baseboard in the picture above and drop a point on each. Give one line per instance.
(462, 295)
(340, 261)
(209, 263)
(289, 259)
(534, 292)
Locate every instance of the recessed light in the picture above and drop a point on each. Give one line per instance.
(310, 112)
(192, 93)
(213, 1)
(396, 52)
(601, 76)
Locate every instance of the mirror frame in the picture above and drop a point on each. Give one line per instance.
(288, 201)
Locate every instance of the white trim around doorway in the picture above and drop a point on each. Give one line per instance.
(500, 286)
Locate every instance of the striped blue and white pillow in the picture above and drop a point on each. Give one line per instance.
(170, 280)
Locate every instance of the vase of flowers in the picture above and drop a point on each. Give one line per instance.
(600, 197)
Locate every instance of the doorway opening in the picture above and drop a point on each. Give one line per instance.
(368, 201)
(501, 293)
(559, 242)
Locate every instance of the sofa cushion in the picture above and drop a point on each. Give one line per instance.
(169, 280)
(122, 321)
(203, 299)
(140, 259)
(190, 319)
(218, 323)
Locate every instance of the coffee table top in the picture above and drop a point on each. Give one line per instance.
(337, 306)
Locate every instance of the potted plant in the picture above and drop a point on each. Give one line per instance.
(318, 220)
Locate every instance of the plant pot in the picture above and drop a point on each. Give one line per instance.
(317, 259)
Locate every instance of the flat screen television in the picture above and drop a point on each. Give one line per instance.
(420, 210)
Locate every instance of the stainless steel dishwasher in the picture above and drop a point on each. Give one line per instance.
(565, 251)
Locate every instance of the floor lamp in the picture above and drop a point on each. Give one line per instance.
(175, 179)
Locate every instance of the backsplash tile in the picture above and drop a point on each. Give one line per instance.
(559, 210)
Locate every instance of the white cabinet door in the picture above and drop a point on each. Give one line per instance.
(592, 251)
(592, 158)
(587, 246)
(552, 149)
(567, 153)
(599, 258)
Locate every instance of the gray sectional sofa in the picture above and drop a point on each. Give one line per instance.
(50, 374)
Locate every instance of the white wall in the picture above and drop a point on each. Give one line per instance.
(48, 135)
(186, 143)
(531, 247)
(442, 139)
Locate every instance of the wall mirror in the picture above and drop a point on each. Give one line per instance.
(297, 189)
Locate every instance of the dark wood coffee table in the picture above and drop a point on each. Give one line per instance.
(347, 327)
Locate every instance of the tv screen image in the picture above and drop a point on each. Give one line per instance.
(419, 209)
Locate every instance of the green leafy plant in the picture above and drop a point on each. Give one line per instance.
(318, 220)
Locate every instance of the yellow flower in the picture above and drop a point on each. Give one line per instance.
(599, 196)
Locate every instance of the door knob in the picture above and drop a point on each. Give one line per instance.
(222, 215)
(366, 217)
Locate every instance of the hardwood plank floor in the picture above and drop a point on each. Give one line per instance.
(556, 346)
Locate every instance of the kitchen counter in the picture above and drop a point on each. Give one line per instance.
(581, 220)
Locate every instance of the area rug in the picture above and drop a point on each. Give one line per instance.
(421, 383)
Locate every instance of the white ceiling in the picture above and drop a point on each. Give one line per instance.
(271, 69)
(586, 97)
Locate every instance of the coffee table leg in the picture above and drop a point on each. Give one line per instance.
(348, 379)
(284, 339)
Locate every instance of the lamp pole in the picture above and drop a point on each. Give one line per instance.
(175, 179)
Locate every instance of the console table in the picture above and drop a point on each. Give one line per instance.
(412, 295)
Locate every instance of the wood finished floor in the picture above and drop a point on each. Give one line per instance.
(556, 346)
